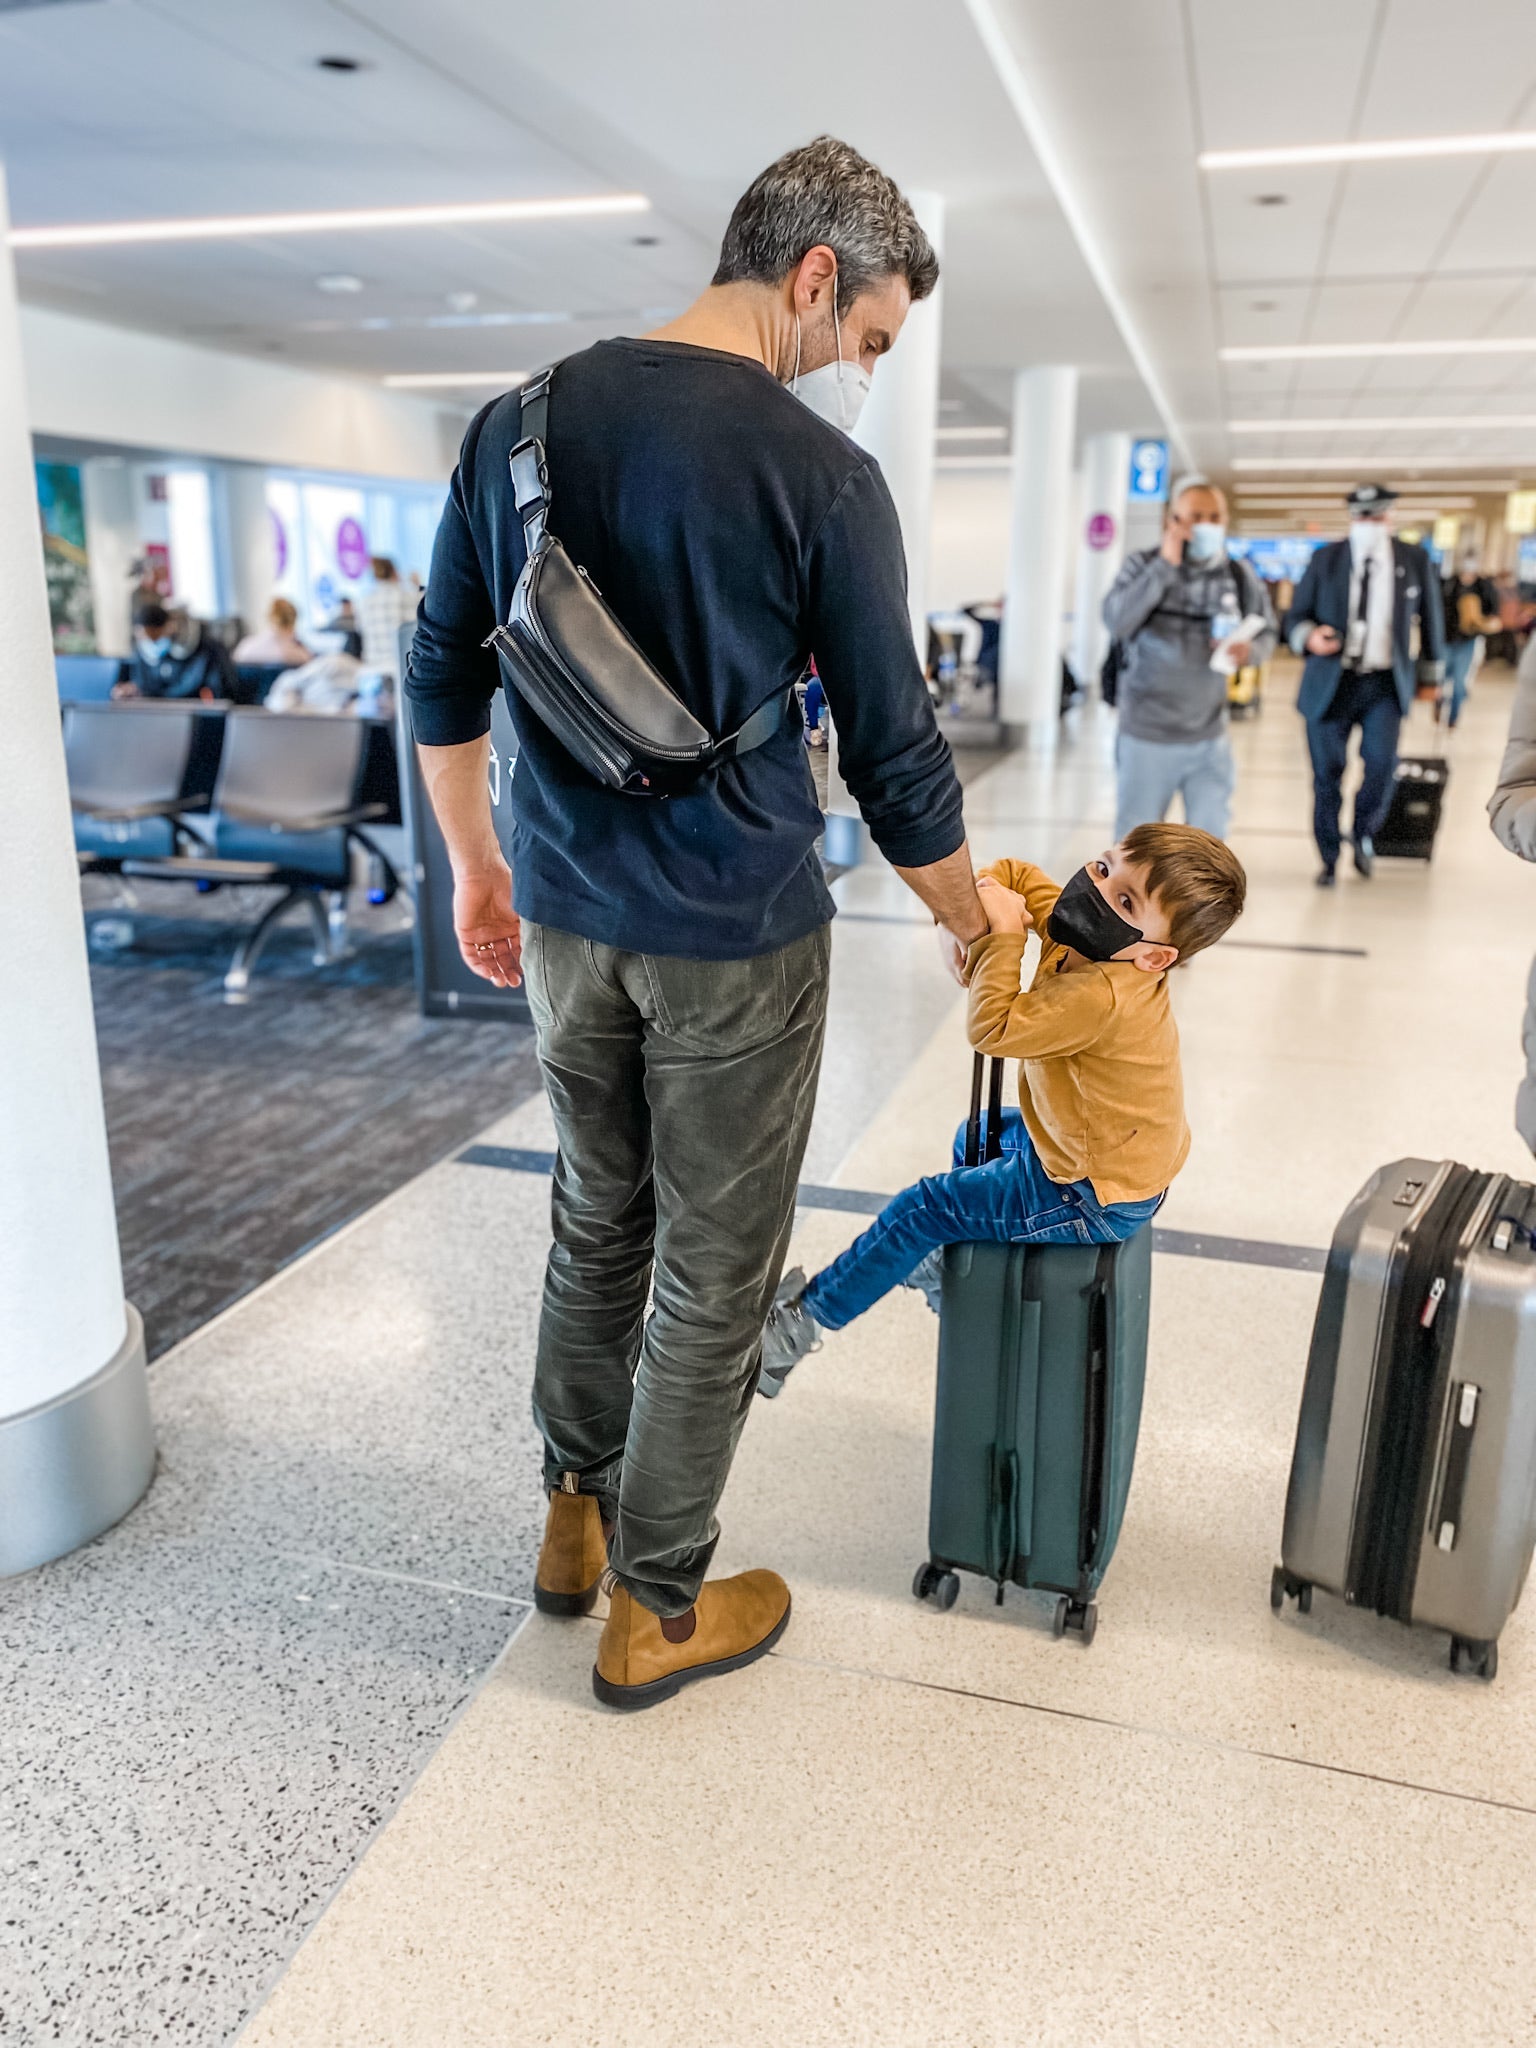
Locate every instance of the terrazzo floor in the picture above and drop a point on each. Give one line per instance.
(1215, 1827)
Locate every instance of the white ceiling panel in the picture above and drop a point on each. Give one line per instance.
(1393, 217)
(1497, 232)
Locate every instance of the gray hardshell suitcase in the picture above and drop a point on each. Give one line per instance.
(1042, 1358)
(1413, 1486)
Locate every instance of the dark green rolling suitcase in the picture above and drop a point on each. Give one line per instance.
(1042, 1357)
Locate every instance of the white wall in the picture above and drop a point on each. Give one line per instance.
(968, 539)
(97, 383)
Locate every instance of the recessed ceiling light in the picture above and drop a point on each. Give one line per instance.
(340, 64)
(1425, 423)
(449, 380)
(1271, 199)
(339, 281)
(972, 433)
(1494, 142)
(647, 241)
(463, 302)
(1341, 351)
(1264, 305)
(220, 227)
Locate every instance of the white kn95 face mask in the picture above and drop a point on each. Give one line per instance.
(837, 391)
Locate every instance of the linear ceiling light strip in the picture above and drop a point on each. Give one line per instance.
(1342, 351)
(221, 227)
(1011, 76)
(1399, 149)
(1387, 424)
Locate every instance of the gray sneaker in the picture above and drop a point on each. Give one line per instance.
(790, 1333)
(927, 1276)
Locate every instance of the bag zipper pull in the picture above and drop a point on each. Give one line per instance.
(1432, 1306)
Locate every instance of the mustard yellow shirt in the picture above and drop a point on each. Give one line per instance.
(1100, 1084)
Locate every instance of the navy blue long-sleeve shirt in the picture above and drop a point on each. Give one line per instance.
(734, 534)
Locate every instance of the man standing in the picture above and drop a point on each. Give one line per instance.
(1353, 616)
(1471, 612)
(1169, 607)
(676, 951)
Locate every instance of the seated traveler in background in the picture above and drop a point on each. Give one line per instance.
(383, 606)
(344, 621)
(1169, 607)
(1471, 613)
(174, 656)
(276, 645)
(1100, 1132)
(1365, 608)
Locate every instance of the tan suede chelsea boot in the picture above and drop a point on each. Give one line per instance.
(573, 1555)
(735, 1621)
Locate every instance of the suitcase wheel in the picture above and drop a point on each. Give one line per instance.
(1479, 1657)
(1284, 1585)
(932, 1583)
(1080, 1615)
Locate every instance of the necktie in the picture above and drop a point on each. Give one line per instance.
(1363, 608)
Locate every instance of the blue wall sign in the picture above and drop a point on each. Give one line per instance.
(1149, 472)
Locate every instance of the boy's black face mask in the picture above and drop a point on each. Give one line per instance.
(1085, 922)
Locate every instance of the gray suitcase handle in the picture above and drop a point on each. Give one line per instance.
(975, 1155)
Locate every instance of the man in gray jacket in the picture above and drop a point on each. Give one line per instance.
(1168, 608)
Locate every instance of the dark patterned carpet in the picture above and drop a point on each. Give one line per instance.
(241, 1136)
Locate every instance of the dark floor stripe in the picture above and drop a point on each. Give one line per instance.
(1283, 946)
(1180, 1244)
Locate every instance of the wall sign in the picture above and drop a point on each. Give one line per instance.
(351, 550)
(1101, 532)
(1149, 472)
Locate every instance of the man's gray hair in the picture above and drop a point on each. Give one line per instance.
(826, 192)
(1193, 482)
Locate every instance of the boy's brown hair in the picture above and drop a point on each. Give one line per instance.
(1198, 880)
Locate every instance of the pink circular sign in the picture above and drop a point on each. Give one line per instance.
(279, 543)
(1101, 531)
(351, 550)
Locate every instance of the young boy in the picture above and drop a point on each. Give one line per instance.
(1102, 1130)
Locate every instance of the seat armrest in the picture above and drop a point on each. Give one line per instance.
(322, 821)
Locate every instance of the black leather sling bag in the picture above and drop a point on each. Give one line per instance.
(579, 672)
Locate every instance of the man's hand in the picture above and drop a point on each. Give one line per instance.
(121, 690)
(953, 952)
(486, 926)
(1239, 650)
(1006, 911)
(1323, 640)
(1174, 537)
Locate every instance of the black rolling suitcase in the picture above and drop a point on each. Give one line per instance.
(1042, 1357)
(1413, 1486)
(1413, 817)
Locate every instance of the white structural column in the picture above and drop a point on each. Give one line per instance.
(1100, 547)
(251, 566)
(897, 426)
(1039, 549)
(901, 415)
(76, 1447)
(109, 485)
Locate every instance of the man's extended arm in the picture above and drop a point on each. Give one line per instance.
(890, 750)
(450, 684)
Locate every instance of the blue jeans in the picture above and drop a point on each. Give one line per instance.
(1459, 657)
(1371, 702)
(1007, 1201)
(1150, 773)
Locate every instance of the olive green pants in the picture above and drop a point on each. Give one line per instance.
(682, 1093)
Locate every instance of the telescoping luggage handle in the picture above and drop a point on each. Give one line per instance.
(977, 1151)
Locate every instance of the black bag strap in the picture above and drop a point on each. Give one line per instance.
(529, 463)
